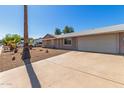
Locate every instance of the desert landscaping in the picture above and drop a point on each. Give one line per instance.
(37, 53)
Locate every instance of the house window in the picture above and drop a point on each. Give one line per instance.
(67, 41)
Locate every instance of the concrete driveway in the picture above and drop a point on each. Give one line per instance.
(72, 69)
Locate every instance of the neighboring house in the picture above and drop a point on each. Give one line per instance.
(21, 43)
(37, 41)
(107, 40)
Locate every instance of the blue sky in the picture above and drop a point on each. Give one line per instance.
(44, 19)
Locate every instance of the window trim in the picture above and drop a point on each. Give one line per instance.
(67, 44)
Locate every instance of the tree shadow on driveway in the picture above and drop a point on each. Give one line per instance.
(32, 75)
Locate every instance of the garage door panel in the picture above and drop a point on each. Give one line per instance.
(98, 43)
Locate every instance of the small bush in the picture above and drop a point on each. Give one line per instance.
(47, 51)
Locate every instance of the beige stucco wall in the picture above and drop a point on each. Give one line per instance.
(58, 43)
(48, 43)
(73, 46)
(121, 43)
(106, 43)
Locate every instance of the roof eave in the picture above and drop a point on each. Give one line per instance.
(90, 34)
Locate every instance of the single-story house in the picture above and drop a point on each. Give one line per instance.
(107, 40)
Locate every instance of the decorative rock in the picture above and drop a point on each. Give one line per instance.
(13, 58)
(47, 51)
(15, 50)
(41, 50)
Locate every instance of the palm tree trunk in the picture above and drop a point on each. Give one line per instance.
(25, 25)
(26, 52)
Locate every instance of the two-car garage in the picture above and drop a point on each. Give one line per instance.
(107, 43)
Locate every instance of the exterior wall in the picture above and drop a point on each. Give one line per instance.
(48, 43)
(121, 43)
(117, 45)
(59, 43)
(73, 46)
(107, 43)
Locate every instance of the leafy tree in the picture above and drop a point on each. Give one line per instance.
(16, 38)
(57, 31)
(0, 41)
(71, 29)
(11, 40)
(68, 29)
(30, 41)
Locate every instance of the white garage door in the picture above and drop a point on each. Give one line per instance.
(99, 43)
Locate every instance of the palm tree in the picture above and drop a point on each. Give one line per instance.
(26, 52)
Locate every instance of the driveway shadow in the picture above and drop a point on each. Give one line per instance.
(32, 75)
